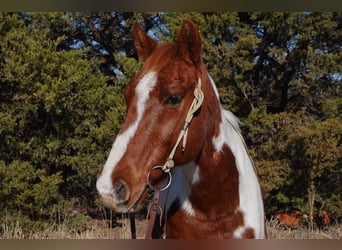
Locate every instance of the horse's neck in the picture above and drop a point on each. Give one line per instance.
(249, 188)
(213, 177)
(216, 192)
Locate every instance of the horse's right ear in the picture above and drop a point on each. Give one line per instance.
(144, 44)
(189, 45)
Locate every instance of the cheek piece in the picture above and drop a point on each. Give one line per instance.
(196, 104)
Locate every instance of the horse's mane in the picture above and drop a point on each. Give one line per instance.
(232, 119)
(232, 124)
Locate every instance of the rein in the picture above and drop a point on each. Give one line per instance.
(152, 213)
(166, 168)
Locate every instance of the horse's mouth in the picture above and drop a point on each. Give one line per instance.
(131, 205)
(141, 201)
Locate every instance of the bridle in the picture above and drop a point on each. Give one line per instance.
(166, 168)
(196, 104)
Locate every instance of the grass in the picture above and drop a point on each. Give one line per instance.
(100, 229)
(277, 230)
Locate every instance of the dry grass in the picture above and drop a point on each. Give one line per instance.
(277, 230)
(93, 229)
(97, 229)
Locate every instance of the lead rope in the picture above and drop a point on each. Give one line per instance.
(196, 104)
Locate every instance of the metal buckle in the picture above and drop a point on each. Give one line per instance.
(161, 168)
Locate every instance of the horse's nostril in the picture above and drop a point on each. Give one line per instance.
(120, 192)
(119, 187)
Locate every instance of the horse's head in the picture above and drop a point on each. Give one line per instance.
(158, 100)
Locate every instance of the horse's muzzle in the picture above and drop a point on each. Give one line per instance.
(118, 197)
(120, 193)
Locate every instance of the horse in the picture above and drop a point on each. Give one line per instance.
(321, 219)
(291, 220)
(177, 134)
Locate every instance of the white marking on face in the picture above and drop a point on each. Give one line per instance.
(143, 90)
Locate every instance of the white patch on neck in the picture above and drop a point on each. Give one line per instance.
(249, 190)
(143, 90)
(239, 232)
(187, 208)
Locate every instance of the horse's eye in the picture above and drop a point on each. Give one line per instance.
(173, 100)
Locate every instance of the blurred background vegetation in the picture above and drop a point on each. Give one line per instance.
(61, 103)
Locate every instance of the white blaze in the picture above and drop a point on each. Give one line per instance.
(143, 90)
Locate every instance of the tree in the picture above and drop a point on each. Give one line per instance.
(296, 156)
(105, 35)
(58, 114)
(27, 192)
(281, 60)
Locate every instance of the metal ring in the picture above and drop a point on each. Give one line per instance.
(161, 168)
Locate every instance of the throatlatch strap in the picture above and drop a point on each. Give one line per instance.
(196, 104)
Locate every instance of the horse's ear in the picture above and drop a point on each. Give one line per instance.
(144, 44)
(189, 45)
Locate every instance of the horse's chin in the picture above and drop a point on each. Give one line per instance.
(133, 205)
(138, 203)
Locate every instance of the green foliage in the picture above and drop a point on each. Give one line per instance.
(332, 107)
(295, 155)
(27, 191)
(58, 114)
(129, 68)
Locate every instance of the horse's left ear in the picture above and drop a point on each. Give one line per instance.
(189, 45)
(144, 44)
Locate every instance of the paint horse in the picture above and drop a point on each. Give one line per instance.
(175, 124)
